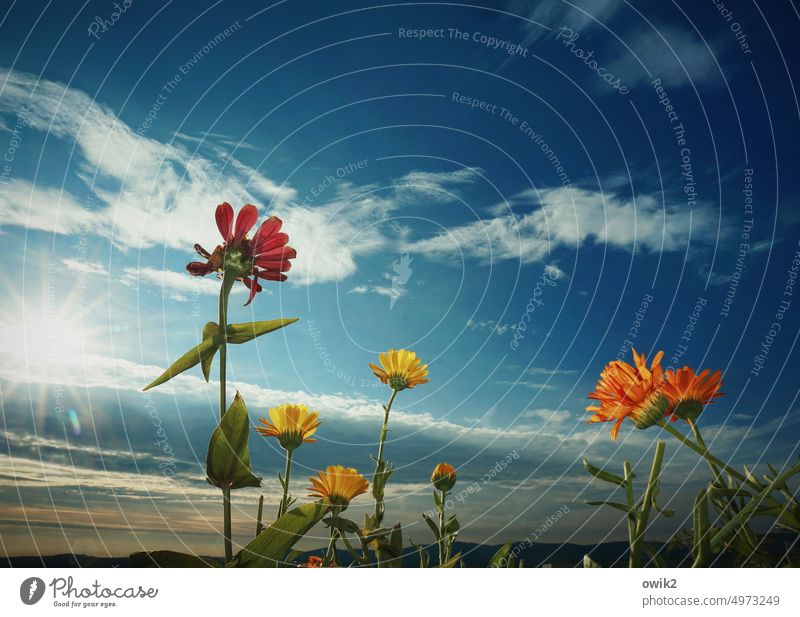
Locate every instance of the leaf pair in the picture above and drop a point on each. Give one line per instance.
(228, 458)
(204, 353)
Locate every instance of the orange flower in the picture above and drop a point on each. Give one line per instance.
(339, 485)
(634, 392)
(688, 393)
(444, 477)
(316, 562)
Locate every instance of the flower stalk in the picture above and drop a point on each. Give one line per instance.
(378, 481)
(647, 503)
(283, 507)
(228, 280)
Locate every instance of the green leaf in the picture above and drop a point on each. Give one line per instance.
(272, 545)
(452, 562)
(210, 331)
(588, 562)
(169, 559)
(654, 556)
(437, 499)
(391, 553)
(228, 458)
(432, 525)
(613, 504)
(452, 527)
(499, 560)
(342, 524)
(200, 353)
(424, 558)
(204, 352)
(604, 475)
(243, 332)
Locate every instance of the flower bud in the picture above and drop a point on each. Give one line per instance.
(444, 477)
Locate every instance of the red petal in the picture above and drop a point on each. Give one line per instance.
(272, 242)
(254, 288)
(245, 220)
(202, 252)
(271, 276)
(224, 216)
(281, 266)
(281, 252)
(197, 268)
(271, 226)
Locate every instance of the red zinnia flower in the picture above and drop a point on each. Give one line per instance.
(265, 256)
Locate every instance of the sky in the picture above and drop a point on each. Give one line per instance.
(519, 192)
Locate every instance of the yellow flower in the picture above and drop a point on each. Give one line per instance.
(400, 369)
(444, 477)
(339, 485)
(291, 424)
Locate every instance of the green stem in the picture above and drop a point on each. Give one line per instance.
(379, 464)
(442, 556)
(284, 505)
(628, 472)
(259, 526)
(330, 554)
(710, 458)
(699, 439)
(227, 284)
(647, 503)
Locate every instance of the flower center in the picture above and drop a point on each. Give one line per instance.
(398, 382)
(651, 411)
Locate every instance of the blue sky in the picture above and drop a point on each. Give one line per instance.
(507, 180)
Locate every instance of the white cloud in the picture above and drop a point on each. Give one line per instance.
(147, 192)
(579, 15)
(538, 370)
(568, 217)
(432, 186)
(380, 290)
(85, 267)
(177, 285)
(522, 383)
(491, 325)
(548, 415)
(679, 58)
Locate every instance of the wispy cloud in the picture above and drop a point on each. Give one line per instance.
(579, 15)
(550, 372)
(85, 267)
(523, 383)
(490, 325)
(176, 285)
(548, 415)
(677, 56)
(380, 290)
(431, 186)
(568, 218)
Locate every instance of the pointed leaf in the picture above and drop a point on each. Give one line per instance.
(391, 553)
(452, 562)
(192, 357)
(499, 560)
(272, 545)
(243, 332)
(432, 525)
(603, 475)
(228, 457)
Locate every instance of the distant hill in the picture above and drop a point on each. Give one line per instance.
(609, 554)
